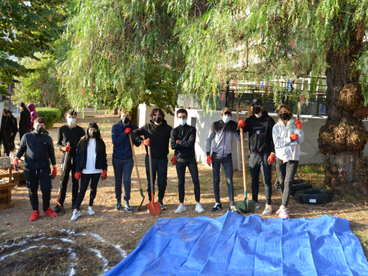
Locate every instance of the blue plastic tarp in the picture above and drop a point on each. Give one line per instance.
(236, 245)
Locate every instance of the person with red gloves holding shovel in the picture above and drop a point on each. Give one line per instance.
(91, 164)
(182, 141)
(122, 158)
(156, 135)
(222, 133)
(69, 136)
(39, 150)
(262, 151)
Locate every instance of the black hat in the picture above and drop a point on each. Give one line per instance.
(93, 125)
(71, 112)
(256, 102)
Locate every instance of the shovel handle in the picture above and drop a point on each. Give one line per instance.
(243, 159)
(135, 162)
(150, 168)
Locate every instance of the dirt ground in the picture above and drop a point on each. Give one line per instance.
(94, 244)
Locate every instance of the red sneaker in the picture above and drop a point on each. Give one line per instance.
(50, 212)
(34, 216)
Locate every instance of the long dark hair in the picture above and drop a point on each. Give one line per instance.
(24, 106)
(100, 145)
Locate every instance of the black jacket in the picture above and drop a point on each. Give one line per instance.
(4, 125)
(13, 125)
(159, 136)
(39, 150)
(71, 135)
(260, 133)
(186, 136)
(24, 121)
(81, 157)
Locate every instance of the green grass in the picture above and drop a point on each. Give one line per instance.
(307, 169)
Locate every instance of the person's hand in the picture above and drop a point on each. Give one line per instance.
(176, 141)
(209, 160)
(173, 160)
(241, 124)
(298, 124)
(128, 130)
(66, 148)
(53, 174)
(104, 174)
(271, 159)
(147, 142)
(77, 175)
(293, 137)
(15, 165)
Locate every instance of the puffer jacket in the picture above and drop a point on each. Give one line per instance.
(284, 147)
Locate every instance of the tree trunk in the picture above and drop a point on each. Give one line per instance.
(344, 136)
(115, 111)
(135, 119)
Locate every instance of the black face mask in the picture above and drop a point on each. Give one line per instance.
(39, 130)
(125, 121)
(284, 116)
(256, 110)
(157, 120)
(92, 134)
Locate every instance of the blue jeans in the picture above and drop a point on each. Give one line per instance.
(258, 162)
(122, 167)
(227, 164)
(181, 165)
(159, 166)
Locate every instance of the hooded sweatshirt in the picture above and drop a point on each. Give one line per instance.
(32, 110)
(283, 145)
(120, 140)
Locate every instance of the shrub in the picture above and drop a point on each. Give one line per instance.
(50, 114)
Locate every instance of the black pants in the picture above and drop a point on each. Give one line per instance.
(21, 133)
(64, 179)
(159, 166)
(32, 178)
(4, 140)
(11, 139)
(84, 186)
(181, 165)
(258, 162)
(285, 174)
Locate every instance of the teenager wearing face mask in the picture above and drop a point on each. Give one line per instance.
(91, 164)
(286, 134)
(69, 133)
(122, 158)
(39, 151)
(262, 151)
(156, 134)
(182, 141)
(222, 133)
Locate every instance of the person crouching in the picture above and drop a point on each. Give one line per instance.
(91, 163)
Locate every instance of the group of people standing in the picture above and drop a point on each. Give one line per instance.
(86, 157)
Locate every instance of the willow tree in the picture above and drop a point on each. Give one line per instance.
(122, 53)
(288, 39)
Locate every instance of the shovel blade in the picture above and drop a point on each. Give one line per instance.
(154, 207)
(242, 206)
(246, 206)
(139, 207)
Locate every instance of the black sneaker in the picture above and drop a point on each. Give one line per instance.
(57, 209)
(163, 207)
(216, 208)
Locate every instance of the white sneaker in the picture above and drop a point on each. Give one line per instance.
(284, 214)
(233, 209)
(268, 210)
(76, 214)
(199, 208)
(90, 211)
(181, 208)
(257, 206)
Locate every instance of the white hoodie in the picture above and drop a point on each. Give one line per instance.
(284, 147)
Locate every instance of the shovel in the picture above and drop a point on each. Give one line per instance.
(136, 167)
(246, 205)
(297, 117)
(153, 207)
(64, 166)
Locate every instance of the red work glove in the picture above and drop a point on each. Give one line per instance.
(104, 174)
(241, 124)
(293, 137)
(177, 141)
(15, 165)
(128, 130)
(298, 124)
(271, 159)
(54, 172)
(147, 142)
(66, 148)
(173, 160)
(209, 160)
(77, 175)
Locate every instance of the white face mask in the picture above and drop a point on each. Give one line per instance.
(182, 122)
(70, 121)
(226, 119)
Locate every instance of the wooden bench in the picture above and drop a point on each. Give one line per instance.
(6, 183)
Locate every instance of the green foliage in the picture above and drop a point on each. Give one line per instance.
(51, 115)
(4, 90)
(26, 28)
